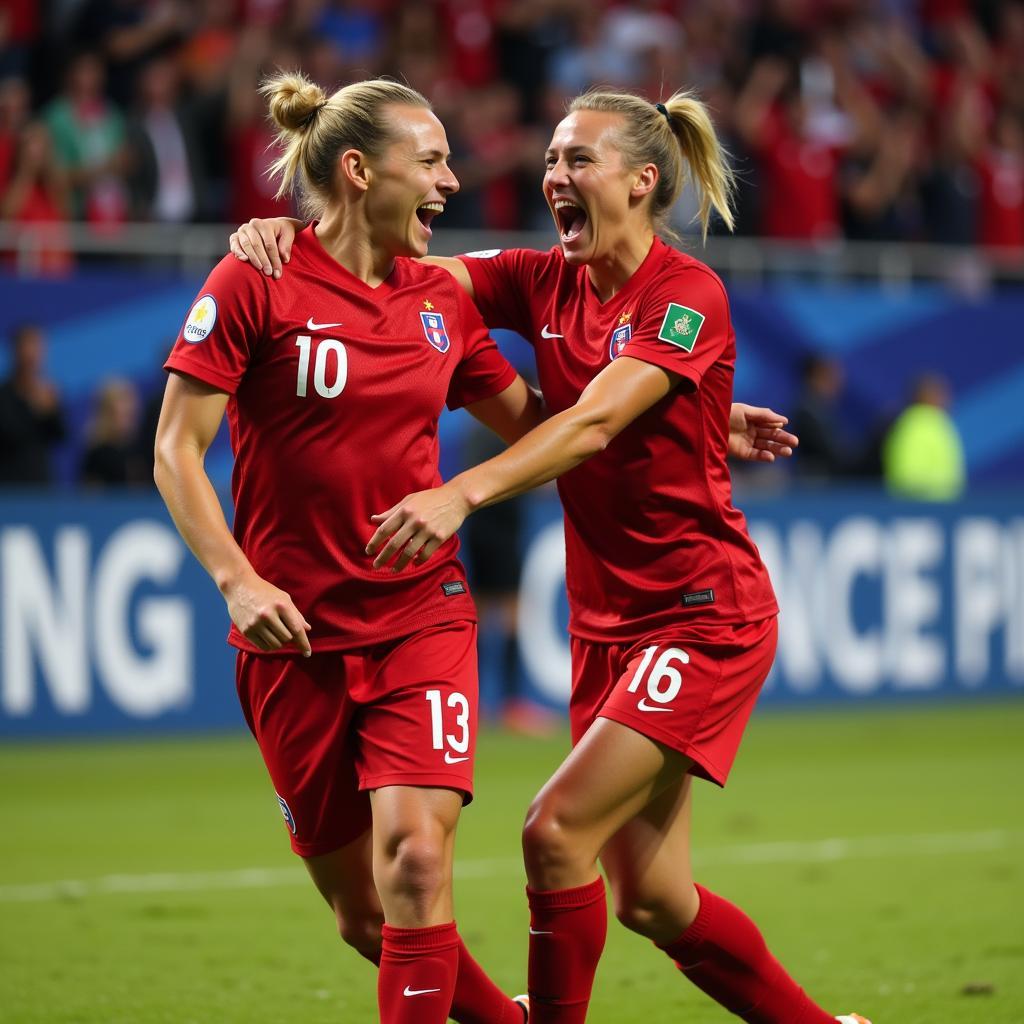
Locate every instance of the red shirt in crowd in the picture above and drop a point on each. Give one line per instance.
(652, 538)
(336, 389)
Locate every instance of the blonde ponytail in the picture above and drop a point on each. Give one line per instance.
(677, 136)
(711, 175)
(313, 130)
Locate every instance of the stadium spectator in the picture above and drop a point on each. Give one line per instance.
(31, 414)
(89, 142)
(15, 111)
(129, 33)
(36, 196)
(113, 456)
(251, 143)
(825, 453)
(922, 455)
(167, 172)
(1001, 176)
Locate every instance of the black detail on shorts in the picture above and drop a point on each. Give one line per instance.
(699, 597)
(453, 588)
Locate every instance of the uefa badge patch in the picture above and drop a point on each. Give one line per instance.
(434, 331)
(618, 340)
(201, 319)
(681, 326)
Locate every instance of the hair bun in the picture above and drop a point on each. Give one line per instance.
(293, 99)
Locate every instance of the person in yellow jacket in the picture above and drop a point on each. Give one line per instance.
(922, 455)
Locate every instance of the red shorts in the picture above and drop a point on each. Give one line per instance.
(690, 687)
(333, 726)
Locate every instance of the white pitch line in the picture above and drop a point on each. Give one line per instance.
(804, 852)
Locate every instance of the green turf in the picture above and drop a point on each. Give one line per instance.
(909, 930)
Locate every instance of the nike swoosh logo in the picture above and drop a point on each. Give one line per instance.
(644, 706)
(310, 326)
(545, 333)
(533, 931)
(448, 759)
(418, 991)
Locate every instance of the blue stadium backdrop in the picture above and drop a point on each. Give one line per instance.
(107, 623)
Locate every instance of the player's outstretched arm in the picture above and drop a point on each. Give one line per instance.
(189, 419)
(756, 434)
(419, 524)
(513, 413)
(266, 243)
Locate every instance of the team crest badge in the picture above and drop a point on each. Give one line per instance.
(619, 337)
(681, 326)
(289, 818)
(434, 331)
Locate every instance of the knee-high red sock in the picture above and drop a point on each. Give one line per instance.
(567, 933)
(477, 999)
(725, 955)
(417, 974)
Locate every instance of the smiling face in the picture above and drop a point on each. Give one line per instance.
(409, 182)
(597, 201)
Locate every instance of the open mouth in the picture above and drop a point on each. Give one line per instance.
(427, 212)
(571, 218)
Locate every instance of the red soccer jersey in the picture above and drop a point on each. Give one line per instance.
(652, 538)
(336, 389)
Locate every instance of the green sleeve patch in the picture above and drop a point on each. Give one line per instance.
(681, 326)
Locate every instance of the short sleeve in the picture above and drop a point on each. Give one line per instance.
(217, 340)
(501, 280)
(685, 326)
(483, 371)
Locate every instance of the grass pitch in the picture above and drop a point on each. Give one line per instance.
(881, 853)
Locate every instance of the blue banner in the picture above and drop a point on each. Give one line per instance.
(108, 624)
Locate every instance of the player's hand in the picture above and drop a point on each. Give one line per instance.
(265, 615)
(265, 243)
(416, 527)
(756, 434)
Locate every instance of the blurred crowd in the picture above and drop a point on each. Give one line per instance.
(864, 119)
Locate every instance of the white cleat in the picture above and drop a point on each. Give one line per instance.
(853, 1018)
(523, 1002)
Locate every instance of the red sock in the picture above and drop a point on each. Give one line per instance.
(477, 999)
(567, 932)
(417, 974)
(725, 955)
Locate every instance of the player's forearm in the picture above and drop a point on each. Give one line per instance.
(553, 448)
(196, 511)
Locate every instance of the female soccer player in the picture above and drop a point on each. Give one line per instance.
(672, 614)
(359, 687)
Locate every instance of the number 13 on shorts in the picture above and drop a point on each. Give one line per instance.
(458, 715)
(662, 678)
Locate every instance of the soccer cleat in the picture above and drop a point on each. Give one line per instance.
(853, 1018)
(523, 1002)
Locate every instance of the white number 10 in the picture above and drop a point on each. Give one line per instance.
(303, 343)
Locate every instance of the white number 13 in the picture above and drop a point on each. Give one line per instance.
(460, 744)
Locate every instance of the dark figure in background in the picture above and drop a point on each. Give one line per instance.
(114, 457)
(816, 421)
(493, 541)
(31, 418)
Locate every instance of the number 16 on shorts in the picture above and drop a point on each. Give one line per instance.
(659, 675)
(454, 711)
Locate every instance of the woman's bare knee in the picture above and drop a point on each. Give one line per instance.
(362, 933)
